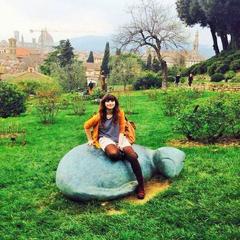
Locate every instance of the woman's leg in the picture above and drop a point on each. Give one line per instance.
(113, 152)
(132, 157)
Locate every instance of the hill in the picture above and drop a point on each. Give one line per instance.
(224, 67)
(97, 44)
(31, 82)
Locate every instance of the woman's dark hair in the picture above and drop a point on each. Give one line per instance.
(103, 109)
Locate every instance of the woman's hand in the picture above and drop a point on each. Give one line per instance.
(120, 141)
(90, 142)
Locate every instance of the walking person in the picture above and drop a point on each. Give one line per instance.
(90, 87)
(177, 79)
(190, 79)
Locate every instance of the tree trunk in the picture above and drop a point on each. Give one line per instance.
(214, 37)
(164, 69)
(224, 40)
(164, 73)
(235, 40)
(103, 83)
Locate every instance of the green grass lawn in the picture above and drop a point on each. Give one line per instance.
(201, 203)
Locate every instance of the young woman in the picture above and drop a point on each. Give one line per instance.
(108, 134)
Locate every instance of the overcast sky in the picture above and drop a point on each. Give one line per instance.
(71, 18)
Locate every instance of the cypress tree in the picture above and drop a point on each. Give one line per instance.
(105, 63)
(118, 51)
(156, 67)
(90, 57)
(149, 62)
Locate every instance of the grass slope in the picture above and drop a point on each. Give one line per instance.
(202, 203)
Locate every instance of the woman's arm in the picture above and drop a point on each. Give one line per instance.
(121, 128)
(88, 125)
(89, 136)
(121, 122)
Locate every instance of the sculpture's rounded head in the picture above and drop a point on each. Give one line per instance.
(168, 161)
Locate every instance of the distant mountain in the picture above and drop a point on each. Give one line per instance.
(97, 44)
(91, 43)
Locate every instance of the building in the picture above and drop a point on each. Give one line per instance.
(180, 58)
(83, 56)
(92, 72)
(92, 69)
(17, 55)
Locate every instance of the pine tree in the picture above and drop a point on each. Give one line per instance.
(66, 54)
(90, 57)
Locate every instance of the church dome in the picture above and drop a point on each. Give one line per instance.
(45, 39)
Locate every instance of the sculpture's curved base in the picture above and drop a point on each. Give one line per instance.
(86, 173)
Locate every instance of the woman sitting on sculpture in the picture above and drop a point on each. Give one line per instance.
(108, 134)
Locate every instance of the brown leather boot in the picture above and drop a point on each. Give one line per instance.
(140, 192)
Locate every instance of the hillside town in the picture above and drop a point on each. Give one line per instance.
(18, 55)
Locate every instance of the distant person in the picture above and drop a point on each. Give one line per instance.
(90, 87)
(190, 79)
(177, 79)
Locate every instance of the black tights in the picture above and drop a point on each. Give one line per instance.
(127, 153)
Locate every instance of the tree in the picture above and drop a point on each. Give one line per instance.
(191, 12)
(65, 53)
(62, 55)
(149, 62)
(118, 51)
(105, 66)
(46, 67)
(90, 57)
(221, 16)
(227, 15)
(124, 69)
(71, 77)
(152, 25)
(155, 65)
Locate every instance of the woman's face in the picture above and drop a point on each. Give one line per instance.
(110, 104)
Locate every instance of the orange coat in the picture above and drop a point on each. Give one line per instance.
(94, 121)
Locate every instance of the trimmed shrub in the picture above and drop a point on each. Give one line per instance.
(217, 77)
(172, 103)
(232, 104)
(204, 121)
(78, 104)
(29, 87)
(187, 71)
(149, 80)
(229, 75)
(12, 101)
(212, 69)
(235, 65)
(153, 94)
(235, 79)
(222, 68)
(175, 101)
(202, 68)
(171, 79)
(47, 107)
(233, 57)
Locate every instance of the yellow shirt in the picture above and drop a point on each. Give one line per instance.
(94, 121)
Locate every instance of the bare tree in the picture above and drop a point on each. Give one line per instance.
(152, 25)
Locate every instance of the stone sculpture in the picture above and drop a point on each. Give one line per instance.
(86, 173)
